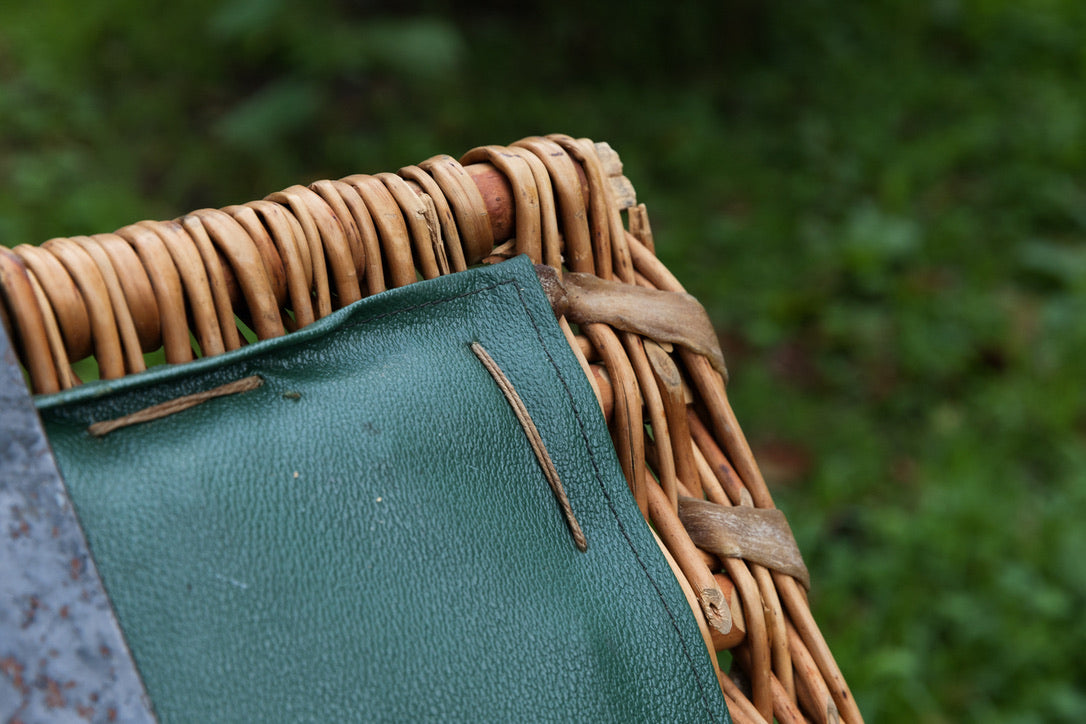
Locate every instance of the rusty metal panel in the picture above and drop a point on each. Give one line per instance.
(62, 655)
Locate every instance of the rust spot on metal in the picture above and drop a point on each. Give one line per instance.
(75, 567)
(64, 612)
(53, 699)
(30, 614)
(12, 669)
(87, 712)
(105, 651)
(23, 528)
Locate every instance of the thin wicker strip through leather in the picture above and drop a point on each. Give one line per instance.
(278, 264)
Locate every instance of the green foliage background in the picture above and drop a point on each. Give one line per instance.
(883, 206)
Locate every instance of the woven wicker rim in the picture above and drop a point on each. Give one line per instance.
(278, 264)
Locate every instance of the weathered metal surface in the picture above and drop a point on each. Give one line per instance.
(62, 655)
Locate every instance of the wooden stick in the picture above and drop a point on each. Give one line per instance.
(713, 603)
(498, 195)
(813, 693)
(784, 706)
(778, 636)
(757, 634)
(654, 405)
(796, 605)
(717, 461)
(27, 323)
(739, 706)
(628, 430)
(669, 381)
(739, 624)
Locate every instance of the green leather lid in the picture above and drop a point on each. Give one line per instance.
(368, 534)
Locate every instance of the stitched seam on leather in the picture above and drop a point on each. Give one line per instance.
(610, 502)
(434, 303)
(588, 448)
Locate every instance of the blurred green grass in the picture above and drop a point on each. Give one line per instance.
(883, 207)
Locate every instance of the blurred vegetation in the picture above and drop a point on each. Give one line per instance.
(883, 206)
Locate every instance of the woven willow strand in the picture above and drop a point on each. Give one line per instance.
(280, 263)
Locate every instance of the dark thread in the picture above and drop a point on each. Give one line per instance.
(610, 502)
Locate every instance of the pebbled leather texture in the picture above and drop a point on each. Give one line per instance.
(368, 535)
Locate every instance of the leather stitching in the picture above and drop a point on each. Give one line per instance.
(610, 502)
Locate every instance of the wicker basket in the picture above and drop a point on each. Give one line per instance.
(275, 265)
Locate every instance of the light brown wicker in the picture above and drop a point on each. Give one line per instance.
(280, 263)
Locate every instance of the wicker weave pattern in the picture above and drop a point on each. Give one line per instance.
(282, 262)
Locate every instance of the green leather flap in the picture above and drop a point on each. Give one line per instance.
(368, 534)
